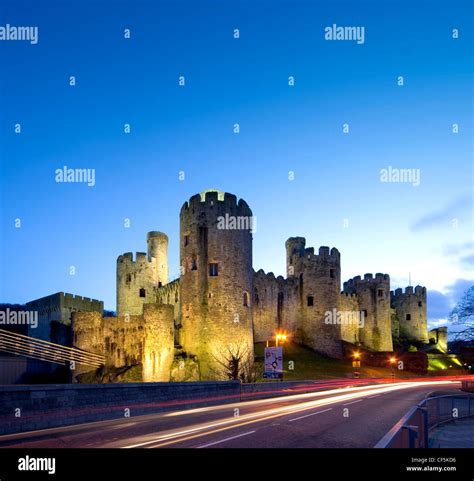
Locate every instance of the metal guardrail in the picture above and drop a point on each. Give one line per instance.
(412, 431)
(27, 346)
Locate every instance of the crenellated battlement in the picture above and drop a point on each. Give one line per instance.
(369, 280)
(140, 258)
(401, 294)
(213, 198)
(349, 294)
(296, 247)
(74, 298)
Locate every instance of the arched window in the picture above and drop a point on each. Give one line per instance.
(142, 292)
(246, 299)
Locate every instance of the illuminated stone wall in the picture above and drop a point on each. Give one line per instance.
(129, 340)
(216, 310)
(410, 307)
(373, 294)
(318, 278)
(139, 278)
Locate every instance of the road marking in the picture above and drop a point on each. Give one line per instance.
(224, 440)
(353, 402)
(307, 415)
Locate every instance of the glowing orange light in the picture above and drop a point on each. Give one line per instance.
(280, 337)
(356, 355)
(393, 360)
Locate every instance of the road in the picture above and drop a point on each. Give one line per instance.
(353, 416)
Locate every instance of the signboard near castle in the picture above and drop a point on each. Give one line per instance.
(273, 363)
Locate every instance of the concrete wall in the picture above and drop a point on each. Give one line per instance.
(46, 406)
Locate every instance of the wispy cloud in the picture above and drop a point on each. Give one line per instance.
(462, 253)
(445, 216)
(441, 304)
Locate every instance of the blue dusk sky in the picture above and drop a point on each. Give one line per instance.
(336, 198)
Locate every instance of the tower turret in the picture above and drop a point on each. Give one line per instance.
(158, 250)
(410, 308)
(319, 284)
(374, 301)
(138, 279)
(216, 281)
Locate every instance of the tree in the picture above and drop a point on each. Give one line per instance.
(235, 362)
(463, 315)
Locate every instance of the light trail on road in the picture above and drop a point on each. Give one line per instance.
(335, 396)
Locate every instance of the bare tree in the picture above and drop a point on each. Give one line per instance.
(235, 362)
(463, 315)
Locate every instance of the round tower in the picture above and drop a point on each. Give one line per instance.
(216, 281)
(158, 254)
(294, 254)
(373, 294)
(319, 290)
(410, 308)
(138, 279)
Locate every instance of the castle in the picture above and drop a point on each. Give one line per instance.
(219, 305)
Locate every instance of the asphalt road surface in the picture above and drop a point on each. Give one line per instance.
(357, 416)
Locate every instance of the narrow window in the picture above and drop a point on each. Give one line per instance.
(160, 284)
(186, 240)
(408, 317)
(213, 269)
(129, 277)
(142, 292)
(365, 313)
(420, 303)
(380, 292)
(246, 299)
(310, 301)
(194, 265)
(332, 273)
(256, 297)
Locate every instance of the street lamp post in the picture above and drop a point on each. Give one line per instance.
(280, 336)
(393, 361)
(356, 364)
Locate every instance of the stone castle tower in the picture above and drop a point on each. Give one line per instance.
(220, 306)
(373, 294)
(138, 279)
(411, 312)
(318, 277)
(216, 281)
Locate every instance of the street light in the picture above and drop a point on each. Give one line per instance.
(393, 361)
(356, 363)
(280, 336)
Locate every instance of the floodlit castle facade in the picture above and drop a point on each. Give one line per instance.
(220, 306)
